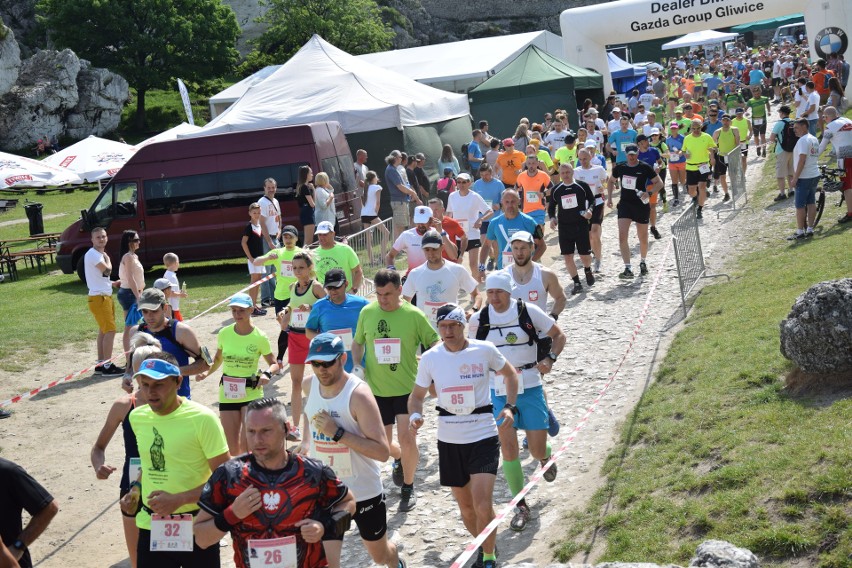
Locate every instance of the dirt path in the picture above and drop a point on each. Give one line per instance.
(51, 435)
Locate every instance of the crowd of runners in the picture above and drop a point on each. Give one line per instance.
(475, 337)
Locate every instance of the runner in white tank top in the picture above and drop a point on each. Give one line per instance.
(532, 282)
(532, 289)
(351, 446)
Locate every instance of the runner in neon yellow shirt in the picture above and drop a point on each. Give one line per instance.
(240, 347)
(700, 151)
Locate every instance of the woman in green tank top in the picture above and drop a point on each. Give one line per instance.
(304, 292)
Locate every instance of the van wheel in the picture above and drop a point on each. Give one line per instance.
(81, 268)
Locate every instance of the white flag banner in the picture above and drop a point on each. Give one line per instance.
(184, 95)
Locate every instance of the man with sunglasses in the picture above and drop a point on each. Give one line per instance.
(337, 313)
(700, 151)
(346, 434)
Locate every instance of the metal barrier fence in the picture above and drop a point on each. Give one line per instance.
(371, 245)
(689, 256)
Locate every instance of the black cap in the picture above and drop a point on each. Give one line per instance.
(431, 239)
(290, 229)
(640, 138)
(335, 278)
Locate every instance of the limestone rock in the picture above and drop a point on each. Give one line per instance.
(20, 16)
(102, 95)
(817, 334)
(10, 59)
(247, 12)
(721, 554)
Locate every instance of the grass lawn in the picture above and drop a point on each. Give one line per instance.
(716, 449)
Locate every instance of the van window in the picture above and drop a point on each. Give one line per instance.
(181, 194)
(340, 169)
(116, 200)
(243, 187)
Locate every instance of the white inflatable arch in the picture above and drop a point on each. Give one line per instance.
(587, 30)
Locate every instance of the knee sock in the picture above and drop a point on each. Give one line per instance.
(514, 475)
(675, 190)
(549, 448)
(283, 341)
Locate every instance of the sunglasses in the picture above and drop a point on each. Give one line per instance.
(324, 364)
(135, 240)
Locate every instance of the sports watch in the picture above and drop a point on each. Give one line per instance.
(553, 356)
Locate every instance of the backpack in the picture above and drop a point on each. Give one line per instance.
(543, 344)
(465, 161)
(788, 136)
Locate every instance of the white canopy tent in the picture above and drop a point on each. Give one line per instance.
(321, 82)
(93, 158)
(222, 100)
(170, 134)
(700, 38)
(460, 66)
(17, 171)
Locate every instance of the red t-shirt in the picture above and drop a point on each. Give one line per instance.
(454, 233)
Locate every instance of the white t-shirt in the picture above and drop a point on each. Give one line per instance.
(371, 207)
(360, 172)
(515, 349)
(813, 99)
(801, 102)
(555, 139)
(98, 284)
(598, 137)
(646, 99)
(410, 242)
(462, 379)
(434, 288)
(613, 125)
(839, 133)
(807, 145)
(174, 301)
(270, 212)
(646, 128)
(639, 118)
(595, 177)
(466, 209)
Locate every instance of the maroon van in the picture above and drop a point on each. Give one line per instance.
(190, 196)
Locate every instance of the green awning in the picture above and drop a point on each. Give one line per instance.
(767, 24)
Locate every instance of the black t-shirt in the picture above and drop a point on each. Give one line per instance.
(302, 192)
(633, 179)
(569, 202)
(18, 491)
(255, 240)
(422, 178)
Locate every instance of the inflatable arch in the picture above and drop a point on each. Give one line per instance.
(586, 31)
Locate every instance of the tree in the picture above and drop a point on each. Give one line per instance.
(355, 26)
(149, 42)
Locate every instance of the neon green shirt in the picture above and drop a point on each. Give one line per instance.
(741, 125)
(757, 106)
(727, 141)
(410, 326)
(339, 256)
(698, 148)
(566, 155)
(174, 450)
(544, 157)
(240, 354)
(284, 267)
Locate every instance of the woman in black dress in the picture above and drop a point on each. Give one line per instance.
(305, 199)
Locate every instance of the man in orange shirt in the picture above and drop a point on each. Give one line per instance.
(689, 113)
(820, 79)
(533, 185)
(509, 163)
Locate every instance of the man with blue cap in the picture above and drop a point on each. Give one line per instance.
(337, 313)
(181, 443)
(346, 434)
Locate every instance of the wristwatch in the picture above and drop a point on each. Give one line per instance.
(443, 233)
(19, 544)
(337, 435)
(511, 407)
(553, 356)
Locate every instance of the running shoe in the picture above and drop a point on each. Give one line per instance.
(490, 266)
(845, 219)
(643, 268)
(715, 189)
(598, 265)
(489, 564)
(407, 499)
(294, 435)
(809, 233)
(478, 563)
(110, 369)
(656, 233)
(796, 236)
(626, 275)
(726, 198)
(402, 564)
(4, 414)
(396, 473)
(577, 288)
(552, 424)
(520, 520)
(549, 474)
(258, 312)
(780, 197)
(676, 203)
(590, 278)
(699, 214)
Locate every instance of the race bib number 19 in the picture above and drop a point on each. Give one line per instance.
(171, 533)
(388, 351)
(273, 553)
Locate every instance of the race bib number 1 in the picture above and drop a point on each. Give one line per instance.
(171, 533)
(388, 351)
(273, 553)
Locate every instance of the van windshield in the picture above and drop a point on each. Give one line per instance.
(118, 199)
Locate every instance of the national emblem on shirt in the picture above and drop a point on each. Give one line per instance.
(533, 295)
(271, 501)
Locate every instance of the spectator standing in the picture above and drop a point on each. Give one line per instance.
(172, 264)
(324, 200)
(98, 268)
(270, 223)
(305, 200)
(20, 492)
(252, 244)
(838, 133)
(448, 160)
(400, 193)
(131, 275)
(805, 179)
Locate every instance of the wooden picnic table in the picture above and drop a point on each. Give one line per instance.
(45, 246)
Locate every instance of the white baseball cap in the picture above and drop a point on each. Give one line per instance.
(422, 214)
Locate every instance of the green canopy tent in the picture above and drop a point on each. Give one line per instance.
(535, 82)
(771, 23)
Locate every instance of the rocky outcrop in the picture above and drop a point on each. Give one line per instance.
(20, 16)
(58, 94)
(710, 554)
(10, 59)
(817, 334)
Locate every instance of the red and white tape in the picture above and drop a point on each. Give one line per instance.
(473, 546)
(82, 372)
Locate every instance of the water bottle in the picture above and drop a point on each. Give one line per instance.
(183, 287)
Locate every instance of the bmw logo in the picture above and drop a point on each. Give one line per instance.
(831, 40)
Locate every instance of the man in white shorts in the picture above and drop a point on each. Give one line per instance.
(521, 332)
(461, 370)
(437, 282)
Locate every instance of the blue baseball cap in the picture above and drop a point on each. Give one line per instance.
(241, 301)
(157, 369)
(325, 347)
